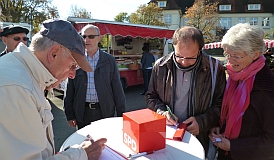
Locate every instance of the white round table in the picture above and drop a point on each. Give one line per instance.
(111, 128)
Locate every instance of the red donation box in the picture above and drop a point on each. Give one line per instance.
(144, 130)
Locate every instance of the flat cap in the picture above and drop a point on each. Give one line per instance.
(13, 29)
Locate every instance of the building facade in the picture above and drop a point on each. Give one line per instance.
(231, 12)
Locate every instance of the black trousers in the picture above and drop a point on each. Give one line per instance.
(146, 76)
(92, 113)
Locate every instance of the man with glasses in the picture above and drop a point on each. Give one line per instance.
(184, 81)
(12, 35)
(95, 95)
(26, 132)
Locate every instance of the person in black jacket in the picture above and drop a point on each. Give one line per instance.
(95, 95)
(246, 127)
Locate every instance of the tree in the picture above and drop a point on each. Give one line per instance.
(122, 17)
(28, 11)
(148, 14)
(203, 15)
(79, 12)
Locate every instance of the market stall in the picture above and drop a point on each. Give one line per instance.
(268, 44)
(126, 44)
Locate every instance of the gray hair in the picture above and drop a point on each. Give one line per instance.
(40, 43)
(90, 26)
(244, 38)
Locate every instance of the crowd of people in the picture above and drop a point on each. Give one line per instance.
(230, 117)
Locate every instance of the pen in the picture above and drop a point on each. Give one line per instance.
(139, 154)
(170, 113)
(172, 116)
(90, 138)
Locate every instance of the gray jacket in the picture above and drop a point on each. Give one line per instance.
(108, 86)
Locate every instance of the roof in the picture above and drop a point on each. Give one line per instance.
(240, 6)
(123, 29)
(176, 4)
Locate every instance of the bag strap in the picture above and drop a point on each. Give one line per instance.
(213, 76)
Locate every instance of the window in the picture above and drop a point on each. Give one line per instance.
(167, 19)
(253, 21)
(161, 3)
(265, 21)
(224, 7)
(225, 22)
(241, 20)
(255, 7)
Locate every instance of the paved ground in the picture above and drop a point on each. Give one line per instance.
(62, 131)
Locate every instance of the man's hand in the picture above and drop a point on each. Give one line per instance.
(72, 123)
(169, 120)
(94, 149)
(193, 127)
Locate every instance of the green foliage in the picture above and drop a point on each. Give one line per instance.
(203, 15)
(105, 41)
(79, 12)
(28, 11)
(269, 34)
(122, 17)
(148, 14)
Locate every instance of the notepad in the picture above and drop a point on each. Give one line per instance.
(176, 133)
(160, 155)
(109, 153)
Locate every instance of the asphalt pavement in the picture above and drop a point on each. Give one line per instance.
(134, 101)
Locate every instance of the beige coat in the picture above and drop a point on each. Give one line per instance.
(25, 115)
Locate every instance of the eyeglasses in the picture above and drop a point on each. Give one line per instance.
(227, 55)
(186, 58)
(89, 36)
(19, 38)
(73, 66)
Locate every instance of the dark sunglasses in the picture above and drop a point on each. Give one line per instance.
(89, 36)
(19, 38)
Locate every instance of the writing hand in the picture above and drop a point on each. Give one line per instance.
(94, 150)
(169, 119)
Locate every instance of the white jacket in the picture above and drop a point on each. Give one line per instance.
(25, 115)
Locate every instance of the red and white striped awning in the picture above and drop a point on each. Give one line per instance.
(213, 45)
(269, 43)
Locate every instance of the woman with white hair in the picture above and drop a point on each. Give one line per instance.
(246, 122)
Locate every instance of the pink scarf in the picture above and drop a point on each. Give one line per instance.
(237, 96)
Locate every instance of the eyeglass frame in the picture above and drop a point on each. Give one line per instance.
(74, 66)
(227, 55)
(187, 58)
(91, 36)
(16, 38)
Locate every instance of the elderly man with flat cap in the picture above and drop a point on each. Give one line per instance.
(12, 35)
(25, 115)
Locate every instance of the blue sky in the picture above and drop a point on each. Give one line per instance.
(100, 9)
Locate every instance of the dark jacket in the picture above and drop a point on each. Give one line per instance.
(256, 138)
(147, 60)
(108, 86)
(161, 92)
